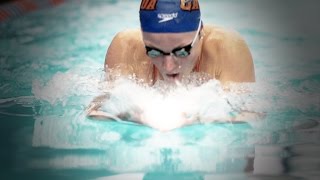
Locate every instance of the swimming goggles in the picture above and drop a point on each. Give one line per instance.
(179, 52)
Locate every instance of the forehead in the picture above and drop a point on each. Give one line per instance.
(167, 39)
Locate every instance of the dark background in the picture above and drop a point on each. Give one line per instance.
(6, 132)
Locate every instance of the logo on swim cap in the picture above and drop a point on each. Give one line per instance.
(166, 16)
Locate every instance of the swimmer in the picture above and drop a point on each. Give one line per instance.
(174, 42)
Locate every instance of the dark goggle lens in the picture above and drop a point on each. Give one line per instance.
(181, 53)
(154, 53)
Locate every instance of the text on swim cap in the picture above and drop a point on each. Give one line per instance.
(187, 5)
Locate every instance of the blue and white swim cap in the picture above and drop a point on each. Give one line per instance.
(169, 16)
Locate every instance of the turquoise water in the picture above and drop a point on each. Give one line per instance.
(52, 66)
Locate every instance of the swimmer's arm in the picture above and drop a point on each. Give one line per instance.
(246, 116)
(93, 111)
(236, 60)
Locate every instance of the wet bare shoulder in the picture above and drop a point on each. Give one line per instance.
(218, 33)
(121, 47)
(131, 35)
(231, 55)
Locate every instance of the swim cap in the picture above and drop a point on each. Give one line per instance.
(169, 16)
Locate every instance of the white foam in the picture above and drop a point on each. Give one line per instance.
(64, 85)
(176, 107)
(166, 107)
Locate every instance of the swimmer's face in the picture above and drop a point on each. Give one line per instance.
(166, 52)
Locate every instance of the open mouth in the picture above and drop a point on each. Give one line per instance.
(173, 76)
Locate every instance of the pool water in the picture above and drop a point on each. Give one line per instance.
(51, 65)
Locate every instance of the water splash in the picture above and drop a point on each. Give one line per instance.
(196, 100)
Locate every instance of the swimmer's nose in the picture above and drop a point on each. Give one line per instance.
(169, 63)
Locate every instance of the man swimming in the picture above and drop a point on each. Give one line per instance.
(172, 43)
